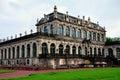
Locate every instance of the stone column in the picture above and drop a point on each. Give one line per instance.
(48, 29)
(71, 49)
(76, 29)
(57, 48)
(11, 52)
(20, 51)
(48, 48)
(56, 27)
(31, 50)
(25, 50)
(7, 53)
(70, 31)
(114, 51)
(76, 49)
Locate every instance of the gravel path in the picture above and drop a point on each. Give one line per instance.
(19, 73)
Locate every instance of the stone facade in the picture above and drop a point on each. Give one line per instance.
(60, 40)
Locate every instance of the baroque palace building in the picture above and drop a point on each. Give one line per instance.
(61, 40)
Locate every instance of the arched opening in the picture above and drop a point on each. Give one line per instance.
(90, 51)
(18, 52)
(95, 53)
(99, 51)
(79, 33)
(9, 53)
(86, 51)
(34, 50)
(110, 52)
(28, 50)
(44, 49)
(60, 49)
(23, 51)
(67, 31)
(13, 51)
(73, 50)
(73, 32)
(68, 49)
(5, 54)
(52, 29)
(79, 51)
(52, 49)
(60, 30)
(118, 52)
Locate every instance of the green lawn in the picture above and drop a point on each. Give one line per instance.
(92, 74)
(6, 71)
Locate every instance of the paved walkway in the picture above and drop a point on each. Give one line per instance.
(19, 73)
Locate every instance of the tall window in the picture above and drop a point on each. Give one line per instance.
(94, 36)
(99, 51)
(73, 32)
(52, 49)
(13, 51)
(79, 51)
(110, 52)
(9, 53)
(44, 49)
(60, 49)
(85, 35)
(34, 50)
(74, 50)
(28, 50)
(67, 31)
(89, 35)
(52, 29)
(60, 30)
(45, 29)
(85, 50)
(95, 53)
(67, 49)
(103, 51)
(5, 53)
(118, 52)
(18, 51)
(79, 33)
(90, 51)
(98, 37)
(23, 51)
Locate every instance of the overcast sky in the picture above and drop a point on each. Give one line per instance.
(18, 16)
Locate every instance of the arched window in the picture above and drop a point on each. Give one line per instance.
(67, 31)
(67, 49)
(28, 50)
(110, 52)
(85, 35)
(23, 51)
(13, 51)
(60, 30)
(89, 35)
(118, 52)
(94, 36)
(2, 54)
(86, 51)
(79, 33)
(74, 50)
(95, 52)
(98, 37)
(5, 54)
(18, 52)
(90, 51)
(34, 50)
(60, 49)
(52, 49)
(99, 51)
(52, 29)
(79, 51)
(9, 53)
(73, 32)
(45, 29)
(44, 49)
